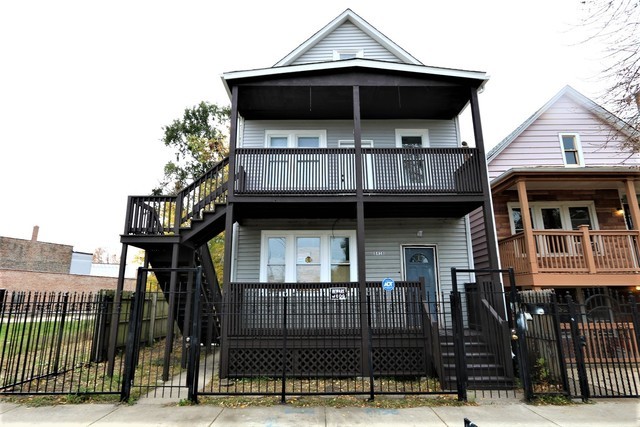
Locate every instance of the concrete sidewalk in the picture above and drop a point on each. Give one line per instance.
(609, 412)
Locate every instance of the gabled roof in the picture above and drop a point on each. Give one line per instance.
(364, 26)
(587, 103)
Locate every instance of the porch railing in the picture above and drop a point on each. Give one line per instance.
(332, 170)
(579, 251)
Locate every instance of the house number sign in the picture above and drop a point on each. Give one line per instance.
(338, 294)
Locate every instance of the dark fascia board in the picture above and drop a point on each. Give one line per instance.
(480, 78)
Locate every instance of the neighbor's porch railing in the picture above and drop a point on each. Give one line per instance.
(562, 251)
(333, 170)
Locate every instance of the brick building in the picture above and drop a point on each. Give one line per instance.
(31, 265)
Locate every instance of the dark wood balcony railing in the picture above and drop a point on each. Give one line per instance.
(562, 251)
(164, 215)
(257, 309)
(332, 171)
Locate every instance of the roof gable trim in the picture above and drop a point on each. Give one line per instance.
(364, 26)
(587, 103)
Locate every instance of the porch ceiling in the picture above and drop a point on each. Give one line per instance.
(551, 179)
(329, 95)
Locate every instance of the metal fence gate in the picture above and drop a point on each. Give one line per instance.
(585, 345)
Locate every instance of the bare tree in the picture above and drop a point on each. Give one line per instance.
(103, 256)
(615, 24)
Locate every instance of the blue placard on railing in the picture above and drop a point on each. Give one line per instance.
(388, 284)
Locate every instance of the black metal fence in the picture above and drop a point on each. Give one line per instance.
(317, 338)
(585, 345)
(49, 344)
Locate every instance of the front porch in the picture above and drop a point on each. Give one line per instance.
(569, 227)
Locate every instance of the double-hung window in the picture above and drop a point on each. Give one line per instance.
(308, 256)
(571, 149)
(295, 169)
(296, 138)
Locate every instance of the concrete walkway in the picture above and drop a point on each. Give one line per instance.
(490, 413)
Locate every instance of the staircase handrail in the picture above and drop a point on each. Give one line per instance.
(497, 334)
(198, 202)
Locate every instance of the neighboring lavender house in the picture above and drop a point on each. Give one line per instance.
(564, 190)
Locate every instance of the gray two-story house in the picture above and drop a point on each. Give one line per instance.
(345, 170)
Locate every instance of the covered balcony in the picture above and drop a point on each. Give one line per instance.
(454, 171)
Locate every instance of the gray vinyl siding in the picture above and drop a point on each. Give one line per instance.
(346, 36)
(442, 133)
(382, 244)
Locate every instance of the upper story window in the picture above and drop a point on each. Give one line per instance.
(340, 54)
(412, 138)
(296, 138)
(571, 149)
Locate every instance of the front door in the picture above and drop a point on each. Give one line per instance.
(420, 261)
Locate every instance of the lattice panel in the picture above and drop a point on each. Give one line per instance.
(300, 362)
(257, 361)
(319, 361)
(398, 360)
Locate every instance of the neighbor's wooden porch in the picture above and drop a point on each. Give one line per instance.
(574, 258)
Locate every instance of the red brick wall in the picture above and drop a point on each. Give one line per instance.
(19, 280)
(19, 254)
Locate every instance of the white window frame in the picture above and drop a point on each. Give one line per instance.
(578, 143)
(536, 210)
(292, 136)
(423, 133)
(325, 252)
(359, 53)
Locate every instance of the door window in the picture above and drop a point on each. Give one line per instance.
(420, 261)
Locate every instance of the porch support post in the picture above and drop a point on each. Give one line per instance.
(233, 138)
(632, 200)
(360, 235)
(487, 207)
(529, 243)
(115, 312)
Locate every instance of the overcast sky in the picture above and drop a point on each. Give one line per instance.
(86, 86)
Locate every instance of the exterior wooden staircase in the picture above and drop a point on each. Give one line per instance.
(179, 227)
